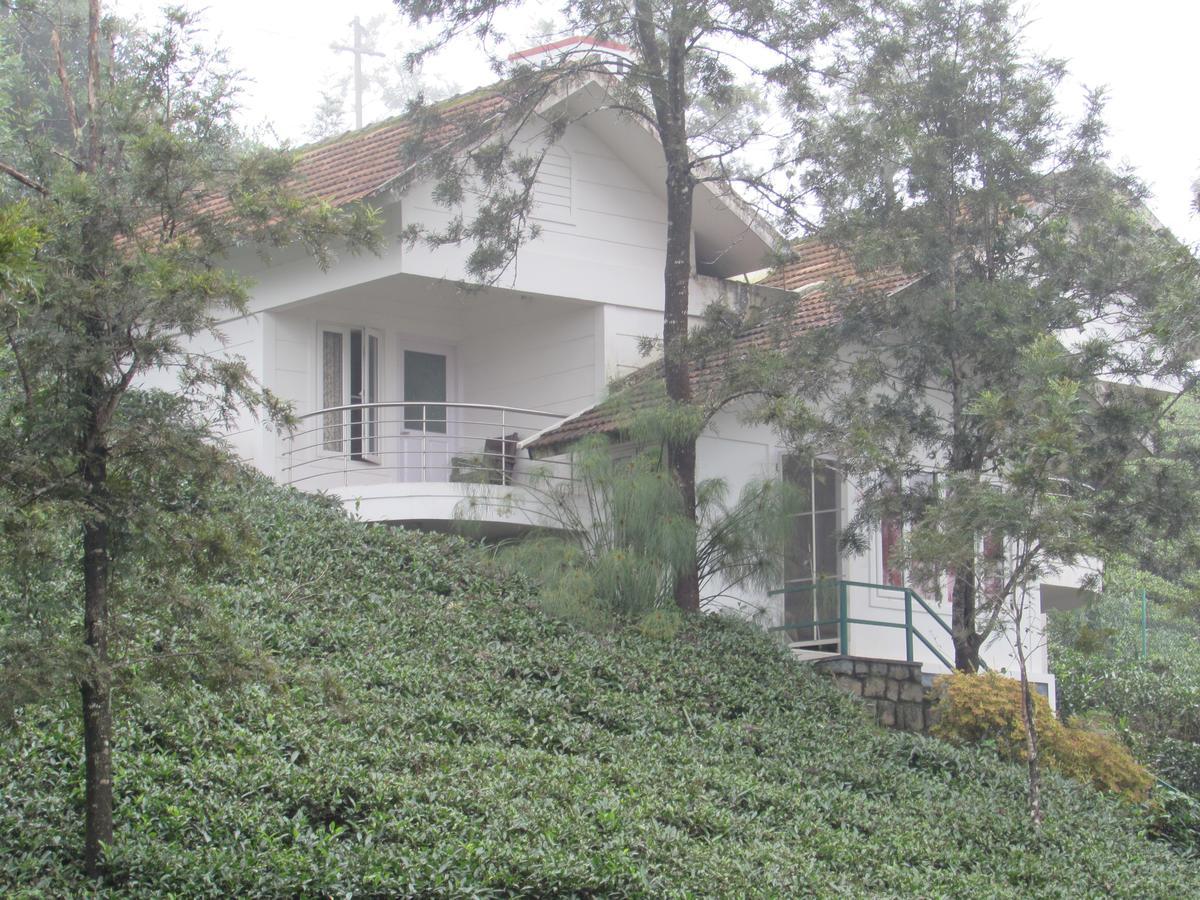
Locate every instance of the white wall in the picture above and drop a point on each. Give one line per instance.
(608, 247)
(546, 364)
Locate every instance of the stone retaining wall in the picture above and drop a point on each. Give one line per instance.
(894, 689)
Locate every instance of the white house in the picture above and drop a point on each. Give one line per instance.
(416, 390)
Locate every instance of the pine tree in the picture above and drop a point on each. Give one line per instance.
(136, 187)
(945, 159)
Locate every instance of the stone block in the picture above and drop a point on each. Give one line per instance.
(885, 714)
(875, 686)
(862, 667)
(837, 666)
(879, 668)
(893, 689)
(849, 684)
(910, 716)
(904, 673)
(912, 692)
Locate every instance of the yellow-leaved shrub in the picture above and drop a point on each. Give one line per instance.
(986, 709)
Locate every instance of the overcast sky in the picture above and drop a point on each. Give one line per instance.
(1145, 53)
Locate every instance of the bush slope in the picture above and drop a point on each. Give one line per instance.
(419, 726)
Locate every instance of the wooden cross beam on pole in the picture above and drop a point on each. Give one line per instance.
(359, 49)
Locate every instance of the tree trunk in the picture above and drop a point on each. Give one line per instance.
(95, 684)
(681, 448)
(1031, 735)
(962, 621)
(668, 91)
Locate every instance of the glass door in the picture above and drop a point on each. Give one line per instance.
(425, 387)
(350, 378)
(812, 563)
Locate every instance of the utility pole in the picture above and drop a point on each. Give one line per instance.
(359, 50)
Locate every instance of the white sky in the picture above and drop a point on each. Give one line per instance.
(1145, 53)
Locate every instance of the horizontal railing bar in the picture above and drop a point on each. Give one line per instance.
(813, 624)
(439, 404)
(449, 453)
(339, 473)
(374, 467)
(836, 621)
(485, 432)
(837, 581)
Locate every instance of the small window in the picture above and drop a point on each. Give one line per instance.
(922, 489)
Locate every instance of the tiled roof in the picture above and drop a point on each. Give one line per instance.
(813, 261)
(361, 163)
(812, 265)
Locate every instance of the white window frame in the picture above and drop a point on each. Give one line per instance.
(374, 437)
(840, 512)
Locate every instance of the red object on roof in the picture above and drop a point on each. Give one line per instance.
(580, 41)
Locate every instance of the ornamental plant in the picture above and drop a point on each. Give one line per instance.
(986, 710)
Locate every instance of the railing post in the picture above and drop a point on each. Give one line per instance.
(424, 442)
(843, 615)
(908, 625)
(503, 450)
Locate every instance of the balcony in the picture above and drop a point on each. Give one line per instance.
(425, 464)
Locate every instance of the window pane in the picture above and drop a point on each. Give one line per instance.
(425, 380)
(889, 537)
(798, 559)
(798, 607)
(825, 486)
(825, 539)
(356, 390)
(827, 610)
(372, 391)
(331, 388)
(799, 475)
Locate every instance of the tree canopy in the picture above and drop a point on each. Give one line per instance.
(945, 159)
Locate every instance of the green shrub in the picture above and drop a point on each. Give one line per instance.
(1153, 703)
(986, 710)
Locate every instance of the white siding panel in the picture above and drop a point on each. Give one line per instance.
(547, 365)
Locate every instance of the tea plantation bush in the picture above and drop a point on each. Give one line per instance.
(401, 721)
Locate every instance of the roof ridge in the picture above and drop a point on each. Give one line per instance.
(391, 121)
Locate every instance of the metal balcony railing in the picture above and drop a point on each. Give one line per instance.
(812, 632)
(376, 443)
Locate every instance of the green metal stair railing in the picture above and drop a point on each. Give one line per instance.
(845, 620)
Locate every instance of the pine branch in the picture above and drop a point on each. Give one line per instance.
(26, 180)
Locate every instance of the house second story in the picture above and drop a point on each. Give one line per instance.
(400, 366)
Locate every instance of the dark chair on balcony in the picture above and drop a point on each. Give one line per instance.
(493, 466)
